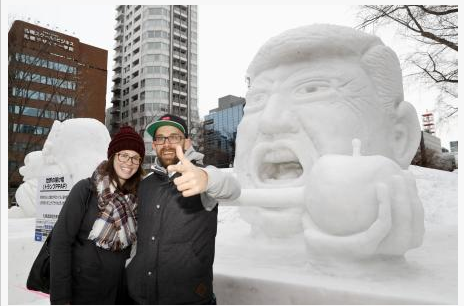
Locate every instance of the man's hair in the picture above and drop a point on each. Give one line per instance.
(326, 41)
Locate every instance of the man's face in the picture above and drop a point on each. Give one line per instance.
(166, 151)
(297, 112)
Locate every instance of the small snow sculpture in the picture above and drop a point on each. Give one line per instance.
(313, 90)
(74, 147)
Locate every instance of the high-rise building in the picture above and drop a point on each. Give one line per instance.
(220, 131)
(51, 76)
(155, 67)
(454, 146)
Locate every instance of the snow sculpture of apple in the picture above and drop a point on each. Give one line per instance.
(359, 206)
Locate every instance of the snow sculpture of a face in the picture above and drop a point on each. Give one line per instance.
(312, 91)
(77, 146)
(73, 147)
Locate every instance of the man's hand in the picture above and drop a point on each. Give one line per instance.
(193, 180)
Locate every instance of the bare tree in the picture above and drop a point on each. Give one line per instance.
(435, 29)
(36, 97)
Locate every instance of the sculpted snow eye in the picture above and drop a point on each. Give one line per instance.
(256, 99)
(311, 88)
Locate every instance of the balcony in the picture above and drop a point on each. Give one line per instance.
(116, 99)
(180, 56)
(115, 122)
(117, 46)
(180, 34)
(116, 88)
(120, 12)
(182, 81)
(117, 68)
(115, 111)
(118, 35)
(182, 68)
(181, 46)
(119, 25)
(116, 77)
(180, 24)
(117, 57)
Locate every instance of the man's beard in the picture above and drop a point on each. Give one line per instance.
(167, 161)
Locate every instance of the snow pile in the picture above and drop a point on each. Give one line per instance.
(253, 270)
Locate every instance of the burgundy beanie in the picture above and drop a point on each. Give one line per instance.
(126, 139)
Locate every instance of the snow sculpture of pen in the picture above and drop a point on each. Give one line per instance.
(325, 143)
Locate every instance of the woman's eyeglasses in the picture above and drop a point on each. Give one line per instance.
(124, 157)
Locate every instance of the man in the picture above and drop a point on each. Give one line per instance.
(312, 90)
(177, 221)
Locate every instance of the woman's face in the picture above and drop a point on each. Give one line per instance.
(126, 163)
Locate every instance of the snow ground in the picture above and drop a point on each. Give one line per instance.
(249, 270)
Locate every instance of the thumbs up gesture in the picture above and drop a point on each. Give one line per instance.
(193, 180)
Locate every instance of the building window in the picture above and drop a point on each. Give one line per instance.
(39, 112)
(158, 11)
(42, 79)
(155, 46)
(40, 62)
(38, 95)
(30, 129)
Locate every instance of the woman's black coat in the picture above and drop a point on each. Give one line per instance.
(81, 272)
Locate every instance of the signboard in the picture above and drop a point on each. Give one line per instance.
(48, 38)
(52, 191)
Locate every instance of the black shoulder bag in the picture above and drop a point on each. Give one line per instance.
(39, 276)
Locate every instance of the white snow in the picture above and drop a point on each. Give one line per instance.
(73, 147)
(253, 270)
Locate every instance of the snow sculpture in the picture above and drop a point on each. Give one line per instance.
(74, 147)
(325, 142)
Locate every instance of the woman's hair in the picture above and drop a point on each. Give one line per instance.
(131, 184)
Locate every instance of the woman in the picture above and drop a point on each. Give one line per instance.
(96, 227)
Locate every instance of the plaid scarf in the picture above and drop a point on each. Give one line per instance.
(114, 229)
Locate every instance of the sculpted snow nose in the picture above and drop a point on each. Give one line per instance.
(276, 118)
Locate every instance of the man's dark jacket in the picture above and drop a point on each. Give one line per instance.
(175, 246)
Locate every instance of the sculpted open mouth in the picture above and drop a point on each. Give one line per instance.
(279, 166)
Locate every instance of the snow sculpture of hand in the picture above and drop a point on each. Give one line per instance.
(312, 90)
(358, 206)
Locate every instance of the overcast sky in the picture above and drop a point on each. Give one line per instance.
(228, 38)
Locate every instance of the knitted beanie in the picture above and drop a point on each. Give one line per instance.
(126, 139)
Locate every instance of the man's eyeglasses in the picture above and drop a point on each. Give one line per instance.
(123, 157)
(159, 140)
